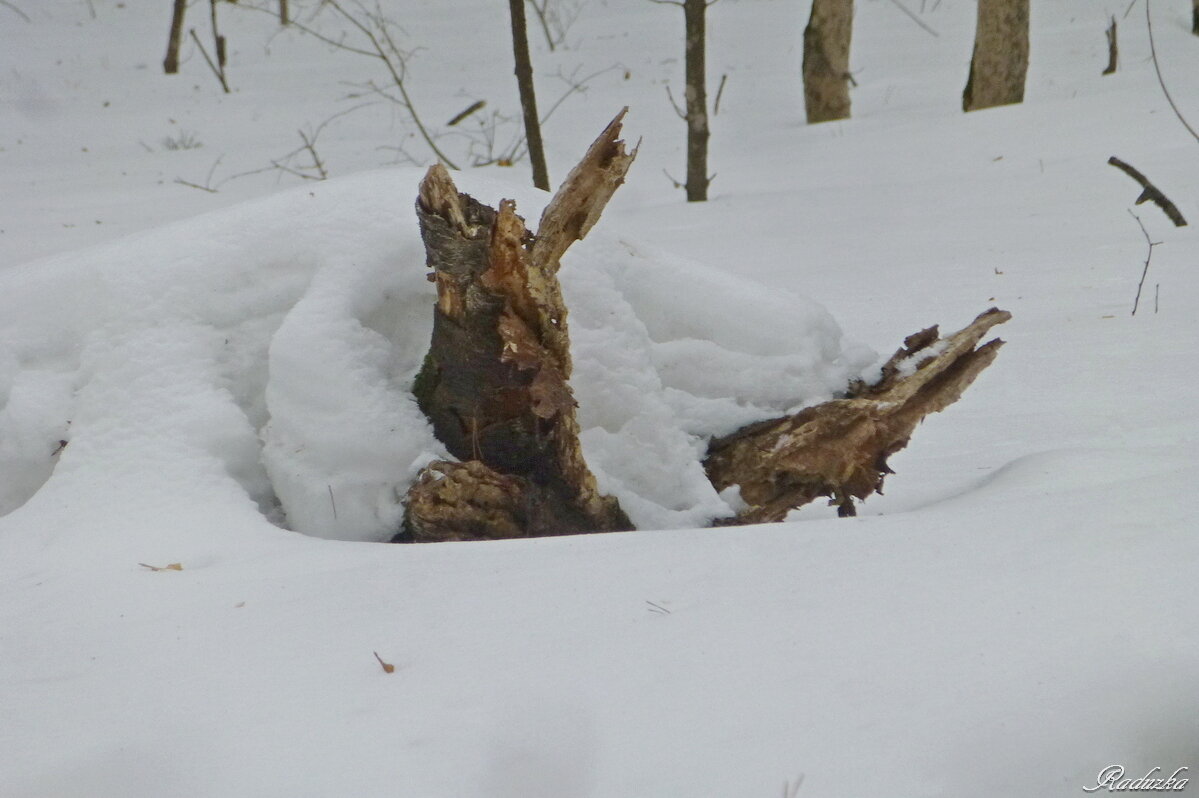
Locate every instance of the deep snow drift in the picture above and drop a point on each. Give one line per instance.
(301, 320)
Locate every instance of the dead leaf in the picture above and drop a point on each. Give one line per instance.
(172, 567)
(387, 666)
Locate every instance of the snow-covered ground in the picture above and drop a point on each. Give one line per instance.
(229, 371)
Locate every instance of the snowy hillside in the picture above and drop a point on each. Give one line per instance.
(219, 378)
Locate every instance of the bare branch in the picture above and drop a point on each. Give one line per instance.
(477, 105)
(1145, 271)
(719, 94)
(1150, 192)
(21, 13)
(1157, 68)
(189, 184)
(682, 114)
(219, 75)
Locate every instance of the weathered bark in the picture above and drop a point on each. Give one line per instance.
(839, 449)
(495, 383)
(826, 77)
(695, 69)
(1000, 61)
(528, 97)
(170, 64)
(1113, 48)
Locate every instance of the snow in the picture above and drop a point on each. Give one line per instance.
(230, 372)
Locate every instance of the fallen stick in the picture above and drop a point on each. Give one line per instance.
(1150, 192)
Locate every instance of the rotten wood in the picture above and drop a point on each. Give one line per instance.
(1150, 192)
(495, 383)
(839, 449)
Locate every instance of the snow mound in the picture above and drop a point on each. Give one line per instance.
(267, 351)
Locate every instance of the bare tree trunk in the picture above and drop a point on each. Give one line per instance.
(697, 99)
(1000, 61)
(1195, 17)
(284, 14)
(170, 64)
(826, 60)
(495, 384)
(528, 97)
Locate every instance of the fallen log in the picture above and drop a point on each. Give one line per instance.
(839, 449)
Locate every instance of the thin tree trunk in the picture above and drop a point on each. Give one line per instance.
(697, 99)
(826, 78)
(170, 64)
(1195, 17)
(284, 14)
(1000, 61)
(528, 97)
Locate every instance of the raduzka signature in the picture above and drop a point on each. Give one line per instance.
(1112, 779)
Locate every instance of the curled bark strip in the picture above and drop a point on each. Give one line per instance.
(839, 449)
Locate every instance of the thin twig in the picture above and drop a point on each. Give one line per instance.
(682, 114)
(212, 66)
(719, 93)
(470, 109)
(1148, 257)
(190, 184)
(21, 13)
(384, 49)
(518, 149)
(1128, 10)
(396, 77)
(914, 18)
(1158, 70)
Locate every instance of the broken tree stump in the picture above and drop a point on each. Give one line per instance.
(839, 449)
(495, 383)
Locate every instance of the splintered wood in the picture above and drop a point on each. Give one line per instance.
(495, 383)
(839, 449)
